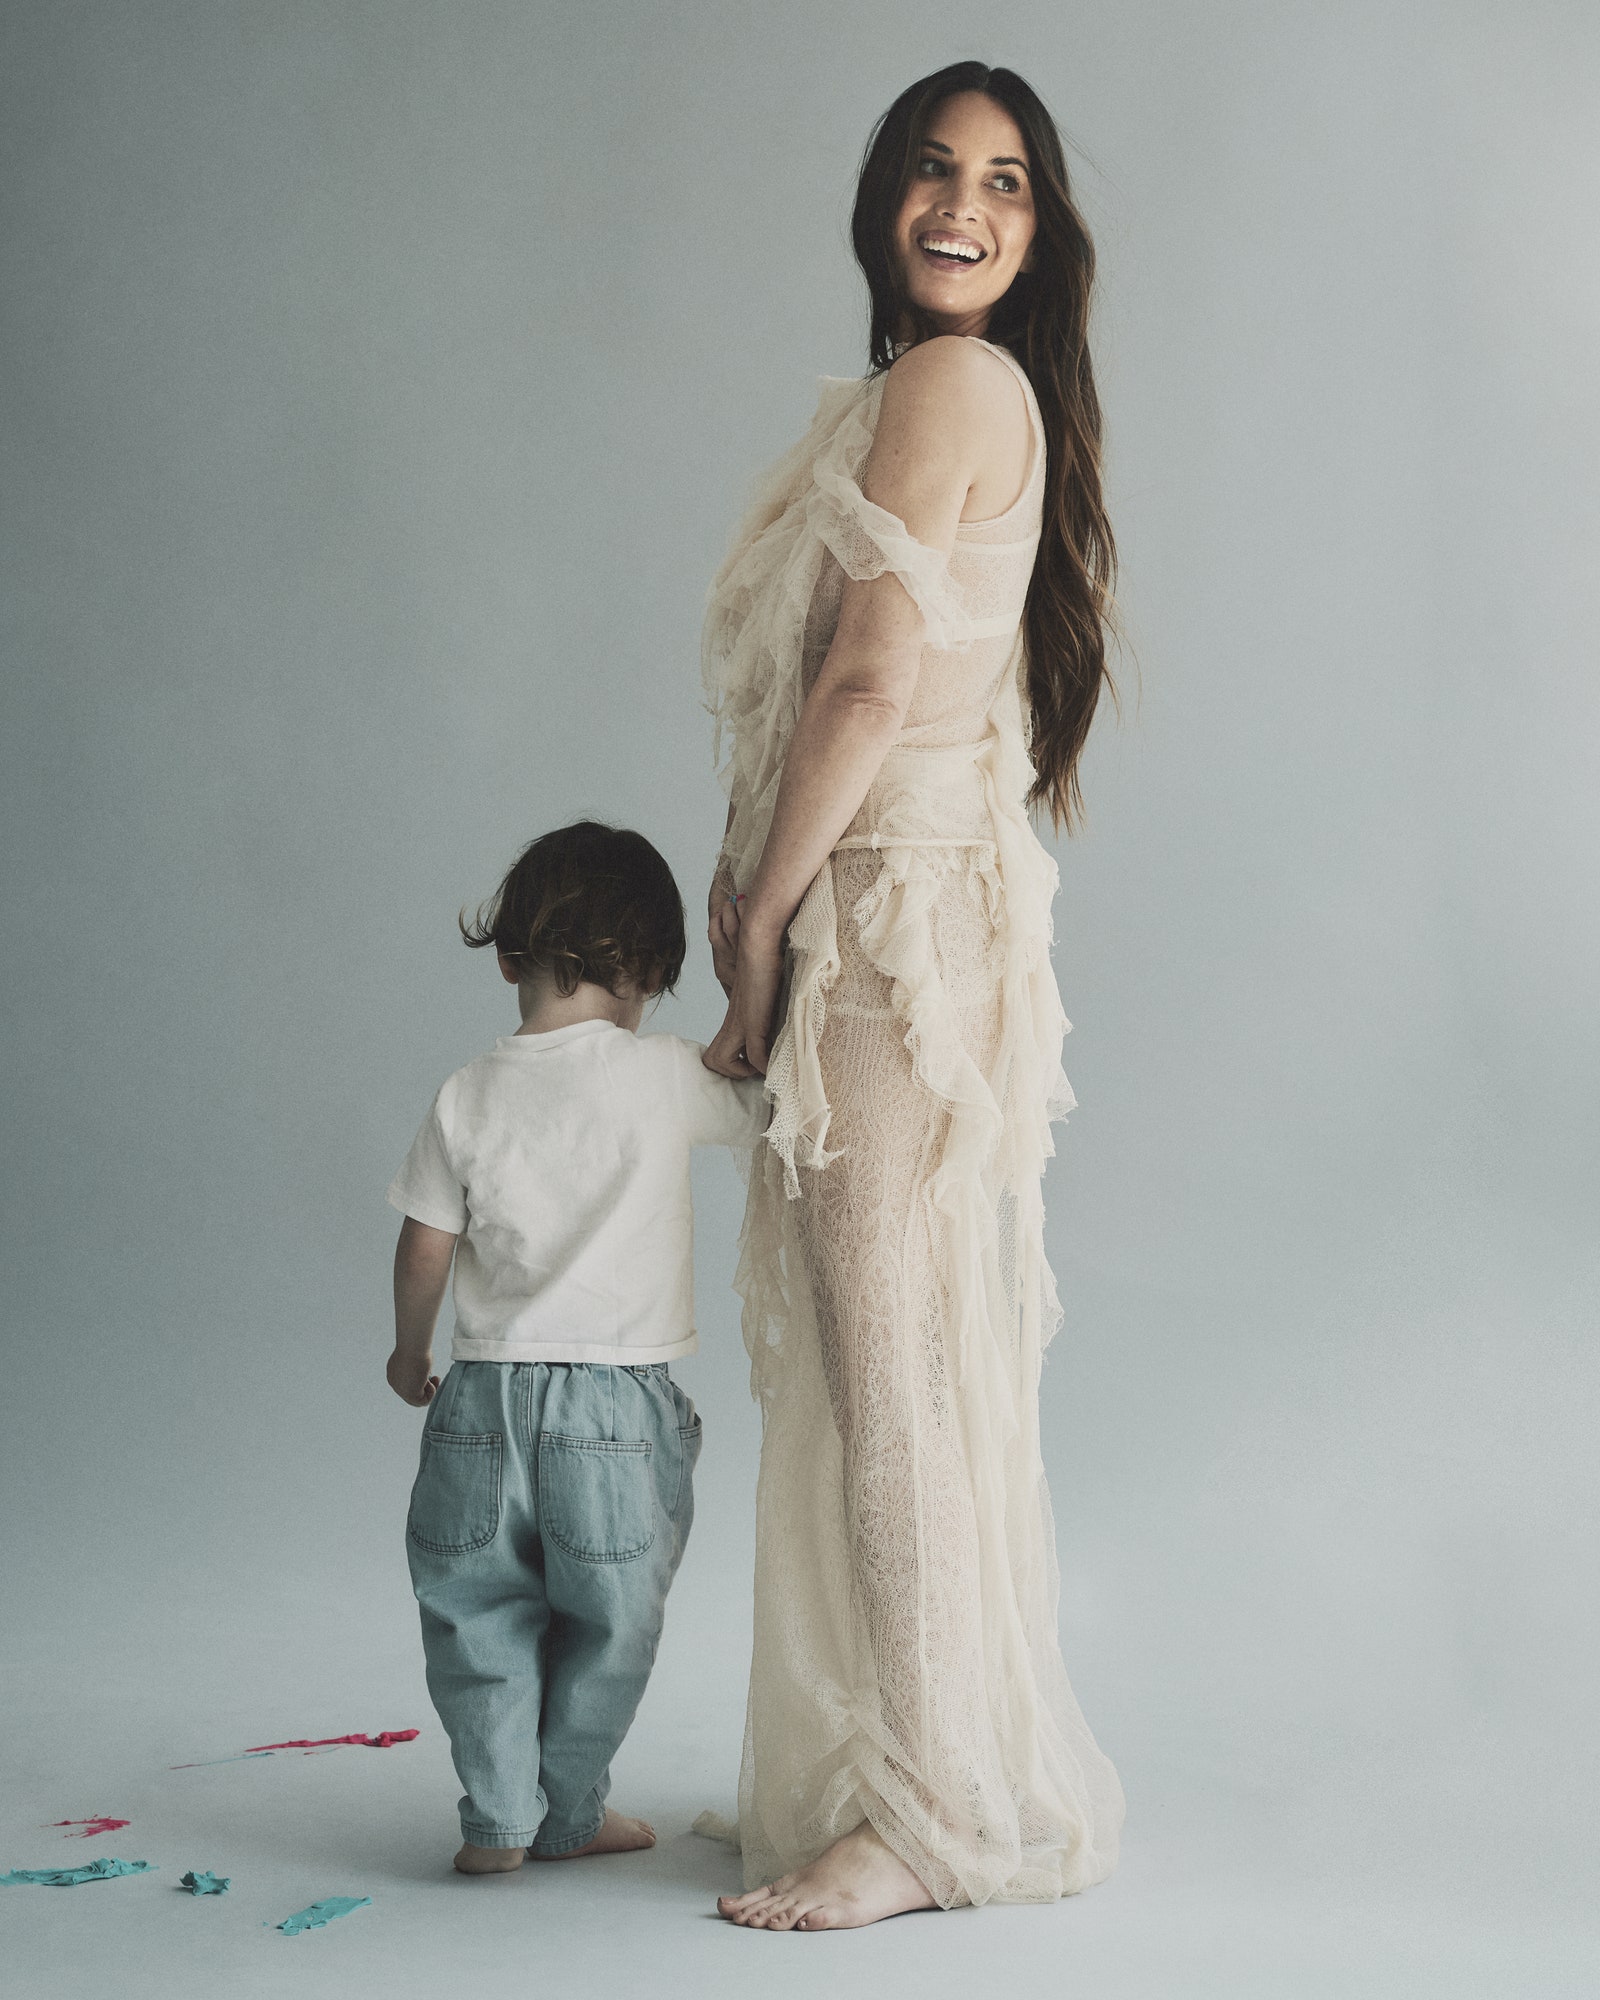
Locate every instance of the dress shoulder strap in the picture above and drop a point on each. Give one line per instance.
(1034, 418)
(1033, 485)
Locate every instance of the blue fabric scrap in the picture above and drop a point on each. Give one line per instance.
(64, 1878)
(202, 1882)
(315, 1915)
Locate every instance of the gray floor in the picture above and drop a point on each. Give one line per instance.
(1183, 1917)
(1324, 1800)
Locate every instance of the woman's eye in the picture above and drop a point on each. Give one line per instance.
(931, 166)
(1007, 183)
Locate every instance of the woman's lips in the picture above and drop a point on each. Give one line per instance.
(951, 258)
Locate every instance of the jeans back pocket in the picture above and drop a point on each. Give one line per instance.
(455, 1503)
(597, 1497)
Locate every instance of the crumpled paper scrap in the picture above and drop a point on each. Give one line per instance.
(201, 1882)
(65, 1878)
(384, 1741)
(88, 1828)
(315, 1915)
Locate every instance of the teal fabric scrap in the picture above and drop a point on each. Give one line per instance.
(64, 1878)
(202, 1882)
(316, 1915)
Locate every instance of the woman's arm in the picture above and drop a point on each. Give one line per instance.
(947, 409)
(722, 915)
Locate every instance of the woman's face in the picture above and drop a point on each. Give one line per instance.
(966, 225)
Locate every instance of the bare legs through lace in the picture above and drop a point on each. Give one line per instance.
(907, 1669)
(867, 1233)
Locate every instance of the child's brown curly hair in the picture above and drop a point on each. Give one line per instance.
(587, 902)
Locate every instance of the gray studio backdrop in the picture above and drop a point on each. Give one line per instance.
(381, 385)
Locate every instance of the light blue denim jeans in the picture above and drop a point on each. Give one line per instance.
(547, 1521)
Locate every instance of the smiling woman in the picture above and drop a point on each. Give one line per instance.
(964, 209)
(915, 601)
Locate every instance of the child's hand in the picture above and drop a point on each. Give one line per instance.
(409, 1378)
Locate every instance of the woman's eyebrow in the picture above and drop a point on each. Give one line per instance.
(1004, 160)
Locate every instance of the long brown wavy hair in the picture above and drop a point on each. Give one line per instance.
(1043, 320)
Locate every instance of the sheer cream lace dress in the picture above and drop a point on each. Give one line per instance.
(906, 1665)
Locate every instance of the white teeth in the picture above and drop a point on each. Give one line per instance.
(969, 253)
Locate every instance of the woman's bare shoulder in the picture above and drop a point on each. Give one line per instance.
(951, 365)
(951, 381)
(951, 401)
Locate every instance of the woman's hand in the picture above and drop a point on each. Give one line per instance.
(744, 1040)
(722, 928)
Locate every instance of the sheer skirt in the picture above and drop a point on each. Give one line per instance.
(906, 1664)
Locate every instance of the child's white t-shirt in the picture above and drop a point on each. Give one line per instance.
(564, 1157)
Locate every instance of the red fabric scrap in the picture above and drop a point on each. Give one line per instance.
(90, 1826)
(381, 1742)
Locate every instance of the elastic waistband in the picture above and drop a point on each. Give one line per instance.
(658, 1369)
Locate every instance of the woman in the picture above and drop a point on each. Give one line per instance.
(890, 642)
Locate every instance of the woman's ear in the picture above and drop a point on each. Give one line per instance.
(508, 971)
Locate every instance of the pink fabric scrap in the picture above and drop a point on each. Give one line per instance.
(90, 1827)
(384, 1741)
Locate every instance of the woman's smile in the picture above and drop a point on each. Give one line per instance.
(966, 222)
(950, 252)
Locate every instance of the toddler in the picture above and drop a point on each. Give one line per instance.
(553, 1498)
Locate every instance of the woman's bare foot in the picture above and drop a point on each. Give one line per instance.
(488, 1860)
(618, 1835)
(857, 1881)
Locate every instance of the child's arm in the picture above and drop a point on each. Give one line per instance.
(421, 1272)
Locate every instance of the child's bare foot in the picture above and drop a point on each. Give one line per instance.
(857, 1881)
(488, 1860)
(618, 1835)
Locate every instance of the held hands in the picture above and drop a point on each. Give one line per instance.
(410, 1379)
(744, 1040)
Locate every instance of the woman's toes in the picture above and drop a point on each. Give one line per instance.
(750, 1900)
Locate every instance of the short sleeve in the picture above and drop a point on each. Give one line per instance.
(718, 1110)
(426, 1187)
